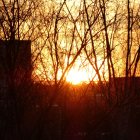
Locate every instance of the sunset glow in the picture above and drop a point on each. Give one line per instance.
(76, 76)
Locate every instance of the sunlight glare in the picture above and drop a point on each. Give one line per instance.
(76, 77)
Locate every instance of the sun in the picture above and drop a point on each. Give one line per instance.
(77, 76)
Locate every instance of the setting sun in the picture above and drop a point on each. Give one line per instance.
(77, 76)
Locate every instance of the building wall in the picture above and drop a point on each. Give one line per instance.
(15, 60)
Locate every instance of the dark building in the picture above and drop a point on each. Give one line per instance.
(15, 71)
(15, 66)
(15, 61)
(125, 88)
